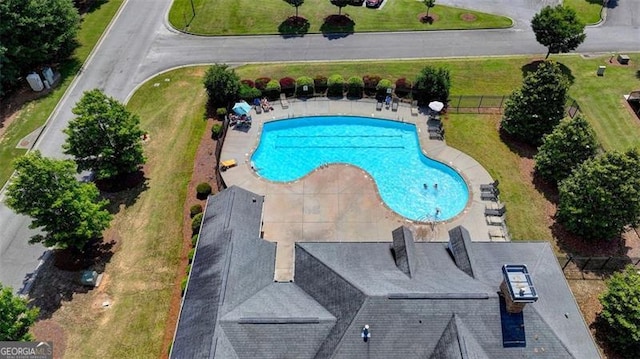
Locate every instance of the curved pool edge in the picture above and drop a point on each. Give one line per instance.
(240, 145)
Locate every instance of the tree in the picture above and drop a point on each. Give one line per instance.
(621, 311)
(536, 108)
(432, 84)
(296, 4)
(222, 85)
(429, 4)
(104, 137)
(23, 48)
(70, 213)
(602, 196)
(340, 4)
(16, 318)
(558, 28)
(571, 142)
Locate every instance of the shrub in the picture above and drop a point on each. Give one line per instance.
(403, 87)
(194, 240)
(300, 83)
(195, 223)
(183, 284)
(248, 93)
(288, 85)
(248, 82)
(432, 84)
(216, 131)
(381, 88)
(272, 90)
(355, 85)
(370, 83)
(221, 112)
(195, 209)
(203, 190)
(192, 252)
(222, 84)
(335, 86)
(320, 84)
(261, 83)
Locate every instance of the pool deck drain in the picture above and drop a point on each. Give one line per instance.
(340, 203)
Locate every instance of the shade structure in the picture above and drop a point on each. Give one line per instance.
(436, 106)
(241, 108)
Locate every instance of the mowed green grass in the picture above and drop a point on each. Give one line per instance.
(238, 17)
(142, 273)
(588, 10)
(34, 114)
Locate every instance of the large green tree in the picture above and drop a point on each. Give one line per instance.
(535, 109)
(104, 137)
(432, 84)
(621, 311)
(602, 196)
(558, 28)
(571, 142)
(15, 317)
(222, 84)
(32, 33)
(70, 213)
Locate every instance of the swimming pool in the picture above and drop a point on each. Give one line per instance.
(411, 184)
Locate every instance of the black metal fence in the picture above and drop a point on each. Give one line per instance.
(218, 151)
(594, 267)
(476, 104)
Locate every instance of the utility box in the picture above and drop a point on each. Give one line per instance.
(90, 278)
(35, 82)
(623, 59)
(47, 73)
(601, 70)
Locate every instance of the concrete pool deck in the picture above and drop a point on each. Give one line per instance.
(341, 202)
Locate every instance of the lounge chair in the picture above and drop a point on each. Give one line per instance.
(490, 186)
(394, 104)
(494, 212)
(495, 221)
(283, 101)
(379, 106)
(497, 234)
(225, 165)
(258, 109)
(414, 108)
(489, 196)
(436, 135)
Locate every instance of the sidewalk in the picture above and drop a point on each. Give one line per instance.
(341, 202)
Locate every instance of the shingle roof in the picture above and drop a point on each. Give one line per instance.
(428, 306)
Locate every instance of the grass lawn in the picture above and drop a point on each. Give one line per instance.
(141, 274)
(237, 17)
(35, 113)
(588, 10)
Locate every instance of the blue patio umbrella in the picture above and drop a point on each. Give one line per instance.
(241, 108)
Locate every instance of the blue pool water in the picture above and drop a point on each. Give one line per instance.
(388, 150)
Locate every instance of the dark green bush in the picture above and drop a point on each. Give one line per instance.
(272, 90)
(195, 209)
(248, 93)
(196, 222)
(192, 252)
(183, 284)
(301, 82)
(432, 84)
(355, 86)
(203, 190)
(320, 84)
(216, 131)
(221, 112)
(335, 86)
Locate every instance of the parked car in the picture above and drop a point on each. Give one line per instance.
(374, 3)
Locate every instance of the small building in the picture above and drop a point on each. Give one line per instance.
(462, 299)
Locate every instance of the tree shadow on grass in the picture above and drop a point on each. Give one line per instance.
(520, 148)
(294, 26)
(58, 279)
(337, 26)
(638, 74)
(533, 66)
(123, 190)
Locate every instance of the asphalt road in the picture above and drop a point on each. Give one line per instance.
(139, 45)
